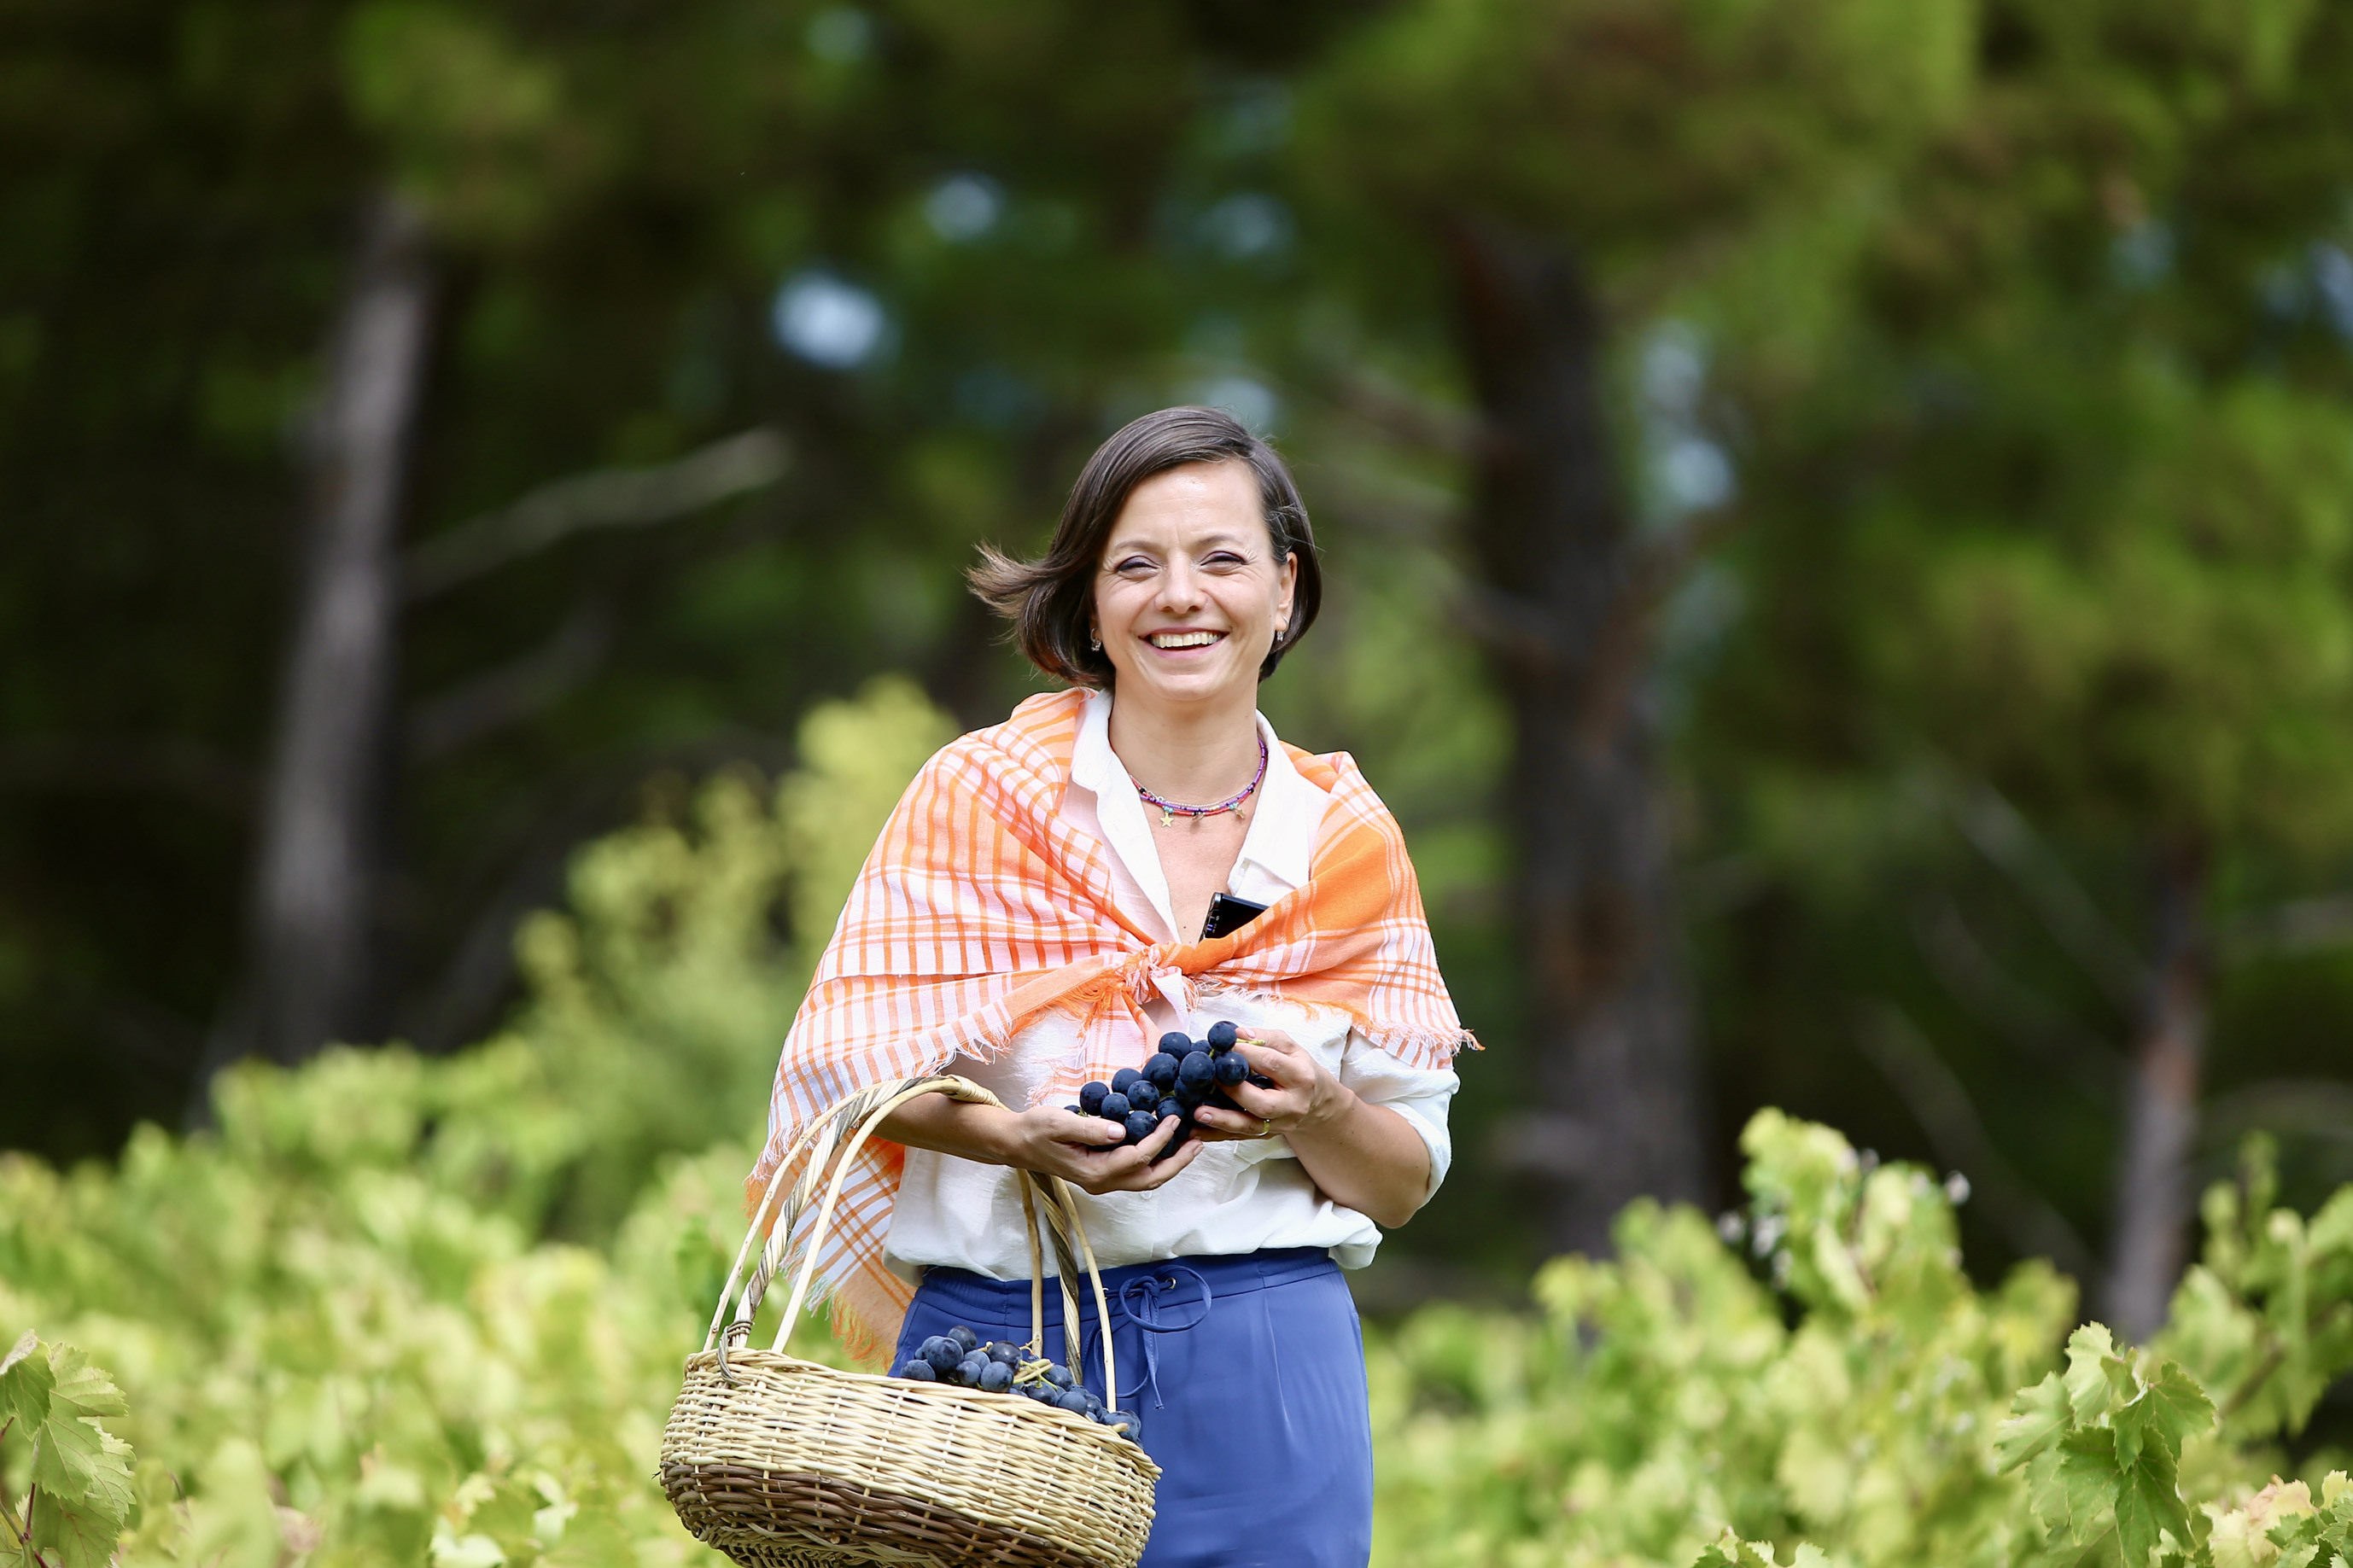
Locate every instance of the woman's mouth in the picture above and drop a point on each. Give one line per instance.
(1183, 639)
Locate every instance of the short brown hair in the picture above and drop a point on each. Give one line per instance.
(1050, 600)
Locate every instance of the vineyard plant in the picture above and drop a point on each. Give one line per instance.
(429, 1312)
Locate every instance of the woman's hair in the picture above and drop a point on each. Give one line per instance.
(1050, 600)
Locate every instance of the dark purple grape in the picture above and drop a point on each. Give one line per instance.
(1074, 1400)
(1059, 1376)
(1175, 1043)
(1075, 1108)
(1140, 1125)
(969, 1371)
(996, 1378)
(1114, 1105)
(1197, 1071)
(1260, 1081)
(999, 1351)
(1188, 1101)
(1126, 1423)
(966, 1339)
(941, 1351)
(1232, 1070)
(1143, 1096)
(1090, 1098)
(920, 1370)
(1161, 1069)
(1121, 1078)
(1222, 1035)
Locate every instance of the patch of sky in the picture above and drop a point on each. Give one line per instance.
(1246, 399)
(1246, 224)
(1685, 470)
(828, 321)
(841, 35)
(2332, 286)
(963, 207)
(2142, 255)
(1692, 627)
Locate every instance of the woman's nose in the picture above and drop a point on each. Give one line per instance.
(1180, 588)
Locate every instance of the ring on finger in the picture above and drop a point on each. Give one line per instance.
(1266, 1126)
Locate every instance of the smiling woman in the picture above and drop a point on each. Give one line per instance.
(1027, 923)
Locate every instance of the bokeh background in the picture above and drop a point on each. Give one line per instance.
(1838, 517)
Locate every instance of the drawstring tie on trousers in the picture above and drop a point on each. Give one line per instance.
(1140, 1300)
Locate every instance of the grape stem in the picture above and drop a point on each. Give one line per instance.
(21, 1530)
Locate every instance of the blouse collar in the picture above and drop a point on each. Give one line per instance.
(1286, 813)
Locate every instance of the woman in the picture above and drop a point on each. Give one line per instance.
(1030, 919)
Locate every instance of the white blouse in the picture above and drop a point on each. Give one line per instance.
(1234, 1198)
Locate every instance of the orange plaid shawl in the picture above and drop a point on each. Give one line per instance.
(980, 910)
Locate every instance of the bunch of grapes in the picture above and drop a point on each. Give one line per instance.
(1182, 1077)
(959, 1358)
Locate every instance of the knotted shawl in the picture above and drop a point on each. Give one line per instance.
(980, 912)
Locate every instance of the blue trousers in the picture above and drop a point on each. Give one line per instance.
(1249, 1372)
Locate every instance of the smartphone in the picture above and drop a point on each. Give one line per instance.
(1228, 913)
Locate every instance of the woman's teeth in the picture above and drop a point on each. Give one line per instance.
(1183, 639)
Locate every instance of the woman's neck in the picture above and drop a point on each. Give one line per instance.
(1196, 753)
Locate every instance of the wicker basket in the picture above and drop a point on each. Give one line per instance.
(783, 1463)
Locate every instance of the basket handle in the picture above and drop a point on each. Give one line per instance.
(825, 1144)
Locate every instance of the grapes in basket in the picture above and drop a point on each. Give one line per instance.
(959, 1358)
(1181, 1076)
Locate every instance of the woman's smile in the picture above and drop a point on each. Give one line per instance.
(1180, 641)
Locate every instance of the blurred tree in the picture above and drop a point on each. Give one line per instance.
(928, 249)
(1582, 167)
(2076, 515)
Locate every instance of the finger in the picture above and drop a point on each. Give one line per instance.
(1171, 1165)
(1284, 1066)
(1158, 1138)
(1231, 1123)
(1100, 1131)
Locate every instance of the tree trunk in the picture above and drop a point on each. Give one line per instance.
(1566, 606)
(318, 872)
(2153, 1195)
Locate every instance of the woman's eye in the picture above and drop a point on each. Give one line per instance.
(1224, 558)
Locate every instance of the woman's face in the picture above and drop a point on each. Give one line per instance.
(1189, 594)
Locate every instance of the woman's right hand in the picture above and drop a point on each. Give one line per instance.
(1086, 1150)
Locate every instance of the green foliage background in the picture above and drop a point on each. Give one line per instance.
(397, 1310)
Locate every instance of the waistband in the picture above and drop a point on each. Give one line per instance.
(1173, 1295)
(1227, 1274)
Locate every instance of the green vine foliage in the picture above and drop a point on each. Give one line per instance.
(1821, 1373)
(392, 1312)
(77, 1495)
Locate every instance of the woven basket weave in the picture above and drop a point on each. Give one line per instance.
(783, 1463)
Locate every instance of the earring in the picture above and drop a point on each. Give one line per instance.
(1095, 641)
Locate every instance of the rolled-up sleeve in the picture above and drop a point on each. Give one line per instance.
(1420, 1095)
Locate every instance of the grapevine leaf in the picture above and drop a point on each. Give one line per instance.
(2075, 1490)
(2096, 1374)
(25, 1383)
(76, 1462)
(2039, 1418)
(2148, 1502)
(2169, 1409)
(69, 1533)
(85, 1387)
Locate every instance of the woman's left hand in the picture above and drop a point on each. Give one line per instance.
(1303, 1098)
(1363, 1155)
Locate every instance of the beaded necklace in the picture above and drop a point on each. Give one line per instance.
(1171, 810)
